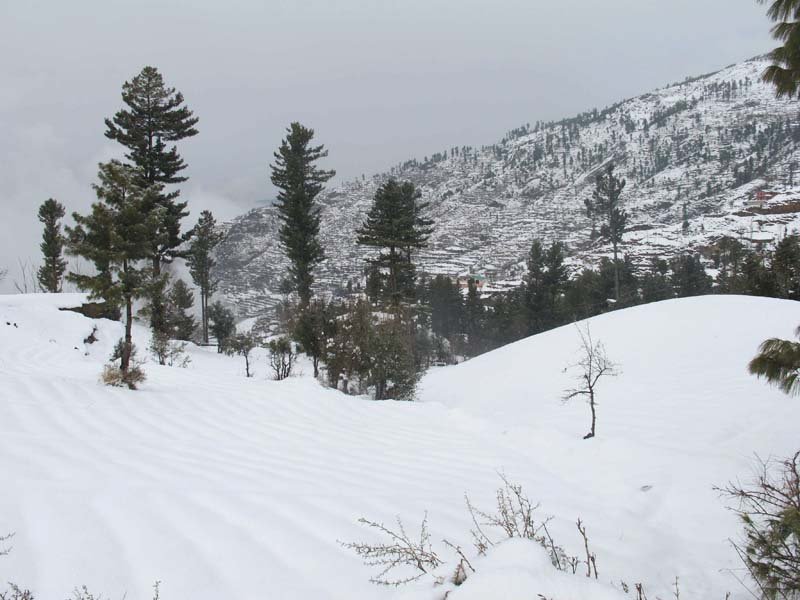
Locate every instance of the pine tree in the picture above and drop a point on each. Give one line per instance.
(51, 272)
(116, 237)
(395, 225)
(607, 205)
(199, 259)
(778, 361)
(299, 182)
(155, 116)
(180, 302)
(223, 324)
(784, 73)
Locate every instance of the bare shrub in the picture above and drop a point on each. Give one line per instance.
(14, 592)
(769, 508)
(515, 516)
(4, 539)
(398, 552)
(592, 365)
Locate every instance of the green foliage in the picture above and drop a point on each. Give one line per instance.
(116, 237)
(778, 361)
(281, 357)
(52, 270)
(769, 509)
(154, 117)
(222, 324)
(393, 370)
(606, 204)
(200, 261)
(131, 375)
(242, 344)
(299, 182)
(689, 277)
(396, 227)
(180, 323)
(310, 329)
(783, 73)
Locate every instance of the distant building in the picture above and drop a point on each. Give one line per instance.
(762, 196)
(463, 281)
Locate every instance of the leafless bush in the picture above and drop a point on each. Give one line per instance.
(769, 508)
(515, 516)
(14, 592)
(4, 539)
(27, 283)
(399, 552)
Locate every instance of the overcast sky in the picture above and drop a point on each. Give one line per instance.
(380, 81)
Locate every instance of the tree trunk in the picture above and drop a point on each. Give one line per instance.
(127, 346)
(204, 313)
(594, 415)
(616, 274)
(315, 361)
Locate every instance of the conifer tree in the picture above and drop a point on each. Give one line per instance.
(395, 225)
(50, 274)
(223, 324)
(784, 73)
(299, 182)
(199, 259)
(116, 237)
(180, 302)
(155, 117)
(606, 204)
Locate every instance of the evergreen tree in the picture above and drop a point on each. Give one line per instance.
(223, 324)
(655, 283)
(447, 307)
(299, 182)
(786, 267)
(116, 237)
(689, 277)
(154, 117)
(309, 331)
(778, 361)
(199, 259)
(784, 73)
(395, 225)
(181, 300)
(474, 315)
(51, 272)
(606, 204)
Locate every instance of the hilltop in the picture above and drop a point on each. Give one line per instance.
(694, 154)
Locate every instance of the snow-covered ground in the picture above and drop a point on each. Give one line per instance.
(226, 487)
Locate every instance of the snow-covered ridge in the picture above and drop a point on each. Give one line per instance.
(221, 486)
(696, 150)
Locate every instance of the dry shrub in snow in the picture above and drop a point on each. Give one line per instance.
(115, 376)
(281, 357)
(168, 352)
(416, 556)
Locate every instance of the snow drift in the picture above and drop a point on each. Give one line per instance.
(221, 486)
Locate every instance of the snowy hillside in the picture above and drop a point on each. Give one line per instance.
(694, 151)
(226, 487)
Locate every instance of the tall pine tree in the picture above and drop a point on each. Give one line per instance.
(154, 118)
(116, 237)
(395, 226)
(606, 203)
(200, 261)
(299, 182)
(51, 272)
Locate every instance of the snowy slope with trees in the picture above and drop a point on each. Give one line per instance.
(223, 486)
(693, 153)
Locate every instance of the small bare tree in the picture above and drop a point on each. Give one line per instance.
(242, 344)
(593, 364)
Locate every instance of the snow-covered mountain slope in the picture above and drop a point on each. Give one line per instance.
(694, 151)
(221, 486)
